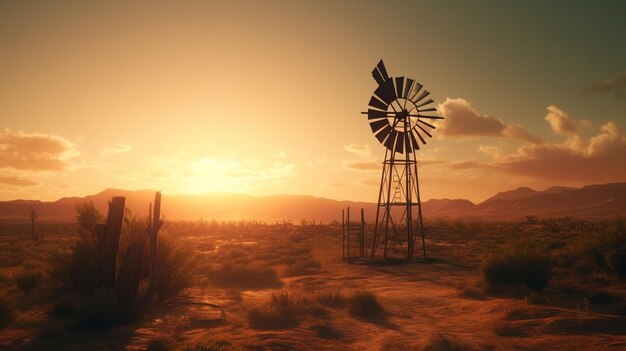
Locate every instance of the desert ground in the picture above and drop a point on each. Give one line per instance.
(255, 286)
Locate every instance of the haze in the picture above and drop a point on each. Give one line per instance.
(265, 97)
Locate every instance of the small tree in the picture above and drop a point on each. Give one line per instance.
(33, 215)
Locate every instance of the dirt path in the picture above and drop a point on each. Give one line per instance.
(424, 312)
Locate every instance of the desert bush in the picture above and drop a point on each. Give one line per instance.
(100, 311)
(556, 225)
(246, 276)
(75, 269)
(27, 280)
(7, 311)
(88, 218)
(600, 252)
(519, 263)
(175, 267)
(331, 298)
(279, 313)
(364, 304)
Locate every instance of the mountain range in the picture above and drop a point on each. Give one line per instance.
(592, 202)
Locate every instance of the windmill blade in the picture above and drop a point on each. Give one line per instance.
(426, 123)
(386, 92)
(376, 125)
(421, 96)
(424, 130)
(408, 87)
(375, 114)
(383, 133)
(383, 70)
(419, 136)
(391, 140)
(378, 77)
(374, 102)
(400, 143)
(416, 89)
(428, 110)
(425, 102)
(399, 86)
(416, 145)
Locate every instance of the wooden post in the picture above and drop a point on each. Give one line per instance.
(154, 246)
(108, 243)
(362, 239)
(348, 223)
(130, 273)
(343, 234)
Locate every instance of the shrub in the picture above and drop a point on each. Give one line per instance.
(7, 311)
(75, 269)
(279, 313)
(175, 266)
(28, 280)
(364, 304)
(246, 276)
(520, 263)
(332, 298)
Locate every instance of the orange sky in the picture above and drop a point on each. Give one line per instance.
(265, 97)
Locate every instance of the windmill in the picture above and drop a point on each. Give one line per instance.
(400, 115)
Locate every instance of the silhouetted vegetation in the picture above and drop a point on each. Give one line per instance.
(364, 304)
(519, 263)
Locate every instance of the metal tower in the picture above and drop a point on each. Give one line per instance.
(397, 117)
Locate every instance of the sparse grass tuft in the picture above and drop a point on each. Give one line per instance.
(279, 313)
(332, 298)
(364, 304)
(519, 263)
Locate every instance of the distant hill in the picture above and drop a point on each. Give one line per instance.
(603, 201)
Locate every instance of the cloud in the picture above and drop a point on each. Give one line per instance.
(615, 85)
(462, 120)
(114, 149)
(600, 158)
(560, 122)
(34, 151)
(361, 150)
(364, 165)
(336, 184)
(16, 181)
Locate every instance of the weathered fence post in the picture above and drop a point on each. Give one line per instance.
(153, 231)
(130, 273)
(108, 243)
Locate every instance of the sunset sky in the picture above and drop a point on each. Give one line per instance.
(264, 97)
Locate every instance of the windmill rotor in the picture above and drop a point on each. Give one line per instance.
(398, 112)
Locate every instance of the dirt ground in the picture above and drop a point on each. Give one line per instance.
(423, 310)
